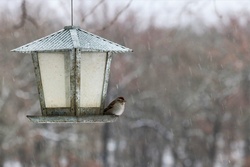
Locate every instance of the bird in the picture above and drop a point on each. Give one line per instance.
(116, 107)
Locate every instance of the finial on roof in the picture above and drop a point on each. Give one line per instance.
(71, 27)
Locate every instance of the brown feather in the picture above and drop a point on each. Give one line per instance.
(109, 106)
(112, 104)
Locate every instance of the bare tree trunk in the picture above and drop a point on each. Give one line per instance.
(105, 138)
(247, 142)
(246, 90)
(216, 131)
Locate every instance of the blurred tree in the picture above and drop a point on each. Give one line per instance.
(187, 93)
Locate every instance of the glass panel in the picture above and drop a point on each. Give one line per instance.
(55, 76)
(92, 76)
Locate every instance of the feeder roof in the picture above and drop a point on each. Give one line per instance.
(69, 38)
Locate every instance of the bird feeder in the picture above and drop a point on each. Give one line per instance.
(72, 68)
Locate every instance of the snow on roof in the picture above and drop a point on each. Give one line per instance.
(69, 38)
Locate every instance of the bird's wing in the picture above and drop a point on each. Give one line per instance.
(111, 105)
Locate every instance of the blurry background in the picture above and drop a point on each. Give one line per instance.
(187, 85)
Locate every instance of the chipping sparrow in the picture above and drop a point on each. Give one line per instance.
(116, 107)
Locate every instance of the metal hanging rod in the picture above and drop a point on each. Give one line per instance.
(72, 18)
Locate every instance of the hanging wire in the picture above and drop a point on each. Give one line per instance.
(71, 12)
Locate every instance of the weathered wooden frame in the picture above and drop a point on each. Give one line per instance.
(74, 113)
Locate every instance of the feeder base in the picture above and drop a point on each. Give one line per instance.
(73, 119)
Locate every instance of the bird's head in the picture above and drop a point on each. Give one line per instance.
(121, 99)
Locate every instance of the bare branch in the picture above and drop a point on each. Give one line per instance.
(92, 10)
(117, 16)
(33, 21)
(216, 11)
(25, 17)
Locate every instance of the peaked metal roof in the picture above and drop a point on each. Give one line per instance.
(72, 37)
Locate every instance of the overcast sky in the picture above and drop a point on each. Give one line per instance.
(185, 11)
(166, 12)
(175, 12)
